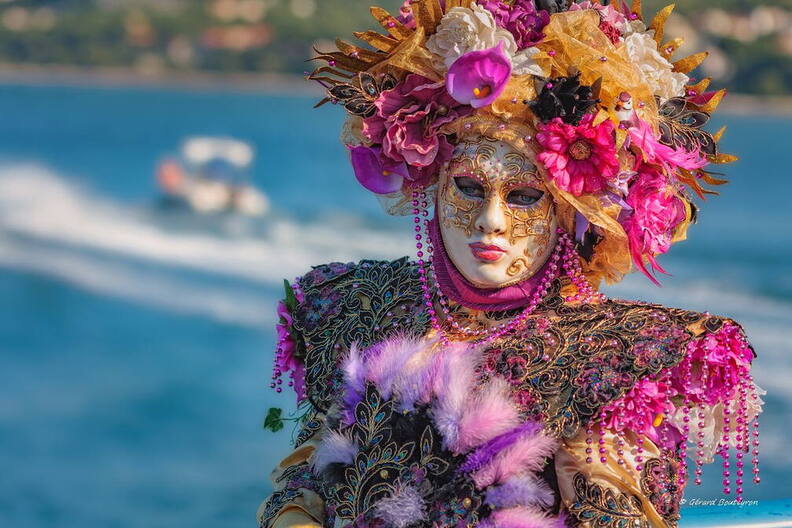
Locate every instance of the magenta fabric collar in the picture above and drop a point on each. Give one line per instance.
(458, 289)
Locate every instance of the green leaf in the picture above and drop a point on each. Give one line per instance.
(291, 299)
(274, 420)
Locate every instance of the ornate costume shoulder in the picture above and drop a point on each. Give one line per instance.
(580, 359)
(360, 303)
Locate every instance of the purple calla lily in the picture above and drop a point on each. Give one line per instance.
(477, 78)
(376, 173)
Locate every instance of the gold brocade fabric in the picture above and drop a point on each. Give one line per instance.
(295, 502)
(612, 495)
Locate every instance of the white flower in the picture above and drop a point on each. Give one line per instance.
(463, 30)
(657, 71)
(634, 26)
(524, 63)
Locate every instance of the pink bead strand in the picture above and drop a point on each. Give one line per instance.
(725, 451)
(742, 432)
(603, 452)
(589, 445)
(683, 462)
(700, 431)
(755, 435)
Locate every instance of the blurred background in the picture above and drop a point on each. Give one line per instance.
(143, 250)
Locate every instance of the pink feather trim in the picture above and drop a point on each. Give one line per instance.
(489, 413)
(521, 517)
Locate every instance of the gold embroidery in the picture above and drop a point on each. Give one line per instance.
(604, 507)
(661, 484)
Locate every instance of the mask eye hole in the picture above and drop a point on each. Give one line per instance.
(524, 197)
(469, 187)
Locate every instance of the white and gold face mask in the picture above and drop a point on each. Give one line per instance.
(497, 218)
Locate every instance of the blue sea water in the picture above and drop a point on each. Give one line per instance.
(135, 342)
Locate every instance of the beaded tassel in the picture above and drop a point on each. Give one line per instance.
(700, 431)
(639, 458)
(742, 431)
(683, 465)
(725, 452)
(589, 444)
(603, 452)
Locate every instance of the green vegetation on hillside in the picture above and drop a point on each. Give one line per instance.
(750, 41)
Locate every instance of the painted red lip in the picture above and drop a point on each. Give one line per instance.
(487, 252)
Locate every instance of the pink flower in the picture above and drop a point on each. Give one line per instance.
(477, 78)
(608, 14)
(643, 136)
(408, 120)
(521, 19)
(720, 361)
(613, 34)
(580, 159)
(637, 410)
(406, 15)
(657, 211)
(285, 354)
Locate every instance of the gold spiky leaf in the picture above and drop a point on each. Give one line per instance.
(341, 61)
(621, 137)
(350, 50)
(690, 63)
(669, 48)
(602, 116)
(451, 4)
(637, 9)
(315, 76)
(411, 56)
(377, 40)
(711, 105)
(428, 15)
(712, 180)
(719, 134)
(390, 23)
(701, 86)
(658, 23)
(724, 158)
(688, 178)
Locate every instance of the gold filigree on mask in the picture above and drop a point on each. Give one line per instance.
(459, 211)
(538, 227)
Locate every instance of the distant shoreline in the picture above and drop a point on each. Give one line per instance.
(265, 83)
(274, 84)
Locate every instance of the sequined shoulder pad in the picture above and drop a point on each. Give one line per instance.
(359, 303)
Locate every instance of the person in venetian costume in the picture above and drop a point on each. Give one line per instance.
(542, 148)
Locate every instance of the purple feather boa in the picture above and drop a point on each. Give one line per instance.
(483, 455)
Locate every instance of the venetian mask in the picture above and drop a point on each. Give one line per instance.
(497, 219)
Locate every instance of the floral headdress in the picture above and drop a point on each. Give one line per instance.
(586, 89)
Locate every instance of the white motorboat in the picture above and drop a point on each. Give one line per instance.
(212, 175)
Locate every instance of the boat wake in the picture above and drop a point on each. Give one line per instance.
(51, 226)
(54, 227)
